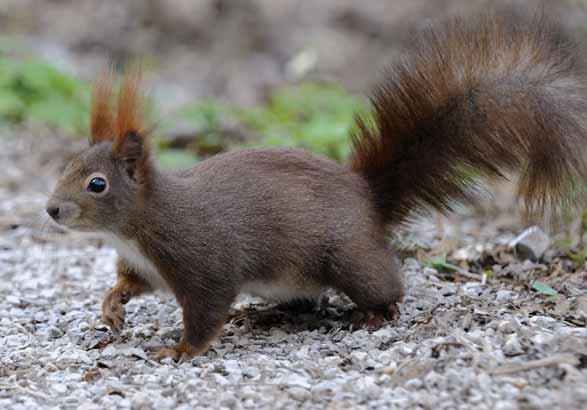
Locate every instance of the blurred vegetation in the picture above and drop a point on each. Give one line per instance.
(317, 117)
(33, 91)
(312, 116)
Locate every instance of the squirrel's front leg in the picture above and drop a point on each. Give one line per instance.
(128, 284)
(203, 317)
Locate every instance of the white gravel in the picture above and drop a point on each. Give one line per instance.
(460, 343)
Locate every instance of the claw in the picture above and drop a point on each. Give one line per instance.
(180, 352)
(373, 320)
(368, 319)
(393, 312)
(168, 352)
(113, 311)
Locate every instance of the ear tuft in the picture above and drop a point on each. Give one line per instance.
(131, 104)
(108, 125)
(102, 119)
(130, 141)
(125, 127)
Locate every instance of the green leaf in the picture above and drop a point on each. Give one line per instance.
(444, 266)
(440, 264)
(543, 288)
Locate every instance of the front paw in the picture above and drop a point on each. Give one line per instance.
(180, 352)
(113, 310)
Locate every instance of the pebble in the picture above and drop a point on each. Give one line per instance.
(505, 296)
(83, 326)
(530, 244)
(506, 326)
(512, 346)
(359, 357)
(60, 388)
(542, 338)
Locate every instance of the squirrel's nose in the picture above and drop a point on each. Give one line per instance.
(53, 211)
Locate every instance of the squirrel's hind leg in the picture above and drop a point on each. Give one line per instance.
(128, 285)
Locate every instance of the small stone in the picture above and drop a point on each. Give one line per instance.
(83, 326)
(506, 326)
(512, 346)
(468, 253)
(221, 380)
(324, 387)
(140, 399)
(505, 405)
(386, 332)
(530, 244)
(385, 357)
(13, 340)
(542, 338)
(414, 384)
(110, 351)
(505, 296)
(251, 372)
(13, 300)
(60, 388)
(359, 357)
(299, 393)
(543, 321)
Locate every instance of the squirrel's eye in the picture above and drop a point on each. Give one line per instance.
(97, 185)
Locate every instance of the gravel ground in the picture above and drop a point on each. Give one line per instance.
(463, 340)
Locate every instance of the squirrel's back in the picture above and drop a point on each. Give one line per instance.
(477, 97)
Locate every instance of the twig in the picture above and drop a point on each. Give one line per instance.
(565, 358)
(470, 275)
(24, 390)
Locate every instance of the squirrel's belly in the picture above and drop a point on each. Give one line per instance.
(288, 287)
(130, 252)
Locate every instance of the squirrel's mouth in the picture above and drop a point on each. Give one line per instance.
(75, 225)
(75, 228)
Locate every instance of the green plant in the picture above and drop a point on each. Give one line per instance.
(545, 290)
(441, 265)
(207, 118)
(317, 117)
(569, 246)
(33, 91)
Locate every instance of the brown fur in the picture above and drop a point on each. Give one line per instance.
(102, 124)
(478, 98)
(105, 125)
(129, 284)
(471, 99)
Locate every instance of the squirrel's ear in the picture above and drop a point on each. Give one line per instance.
(131, 140)
(133, 150)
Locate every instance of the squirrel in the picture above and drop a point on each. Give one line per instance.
(471, 100)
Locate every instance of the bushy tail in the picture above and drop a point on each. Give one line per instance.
(472, 99)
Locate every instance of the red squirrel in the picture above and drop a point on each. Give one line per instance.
(469, 99)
